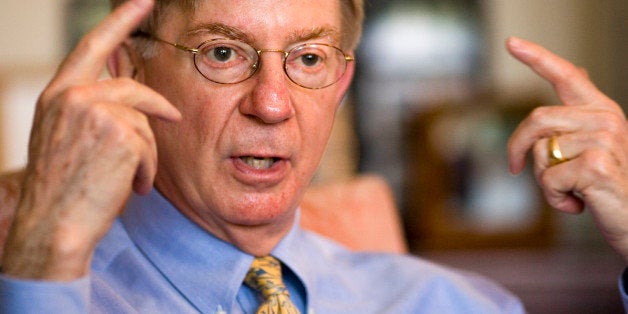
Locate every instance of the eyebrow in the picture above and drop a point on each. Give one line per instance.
(235, 33)
(219, 28)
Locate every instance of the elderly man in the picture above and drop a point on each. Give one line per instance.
(225, 107)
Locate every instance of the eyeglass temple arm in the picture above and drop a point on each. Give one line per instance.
(142, 34)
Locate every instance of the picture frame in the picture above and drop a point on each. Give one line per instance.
(458, 192)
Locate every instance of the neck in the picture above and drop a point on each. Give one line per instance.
(257, 240)
(257, 235)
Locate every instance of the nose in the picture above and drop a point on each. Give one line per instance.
(270, 99)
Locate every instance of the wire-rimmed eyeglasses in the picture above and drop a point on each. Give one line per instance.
(229, 61)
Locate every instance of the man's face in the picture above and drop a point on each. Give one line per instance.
(243, 153)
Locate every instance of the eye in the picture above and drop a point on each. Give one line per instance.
(222, 54)
(226, 53)
(310, 59)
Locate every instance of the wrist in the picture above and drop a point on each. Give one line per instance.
(36, 254)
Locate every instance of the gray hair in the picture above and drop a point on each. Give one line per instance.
(352, 18)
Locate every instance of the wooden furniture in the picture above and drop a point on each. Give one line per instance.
(459, 194)
(570, 278)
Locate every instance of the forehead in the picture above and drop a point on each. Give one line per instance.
(258, 21)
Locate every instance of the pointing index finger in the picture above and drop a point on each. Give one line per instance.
(86, 62)
(571, 83)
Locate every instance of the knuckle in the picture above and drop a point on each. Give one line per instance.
(127, 150)
(568, 73)
(539, 114)
(63, 105)
(614, 124)
(605, 138)
(74, 97)
(114, 131)
(597, 163)
(99, 115)
(544, 178)
(97, 118)
(121, 134)
(539, 149)
(119, 131)
(88, 44)
(71, 97)
(45, 98)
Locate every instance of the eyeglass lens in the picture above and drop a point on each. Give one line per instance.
(309, 65)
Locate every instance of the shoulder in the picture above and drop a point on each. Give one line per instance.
(405, 281)
(340, 257)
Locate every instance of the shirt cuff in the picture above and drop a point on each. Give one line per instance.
(29, 296)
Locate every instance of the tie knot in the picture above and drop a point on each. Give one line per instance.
(265, 277)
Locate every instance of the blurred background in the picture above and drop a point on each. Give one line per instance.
(434, 100)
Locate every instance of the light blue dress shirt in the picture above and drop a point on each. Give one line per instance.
(155, 260)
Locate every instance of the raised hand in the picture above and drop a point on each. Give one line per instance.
(591, 133)
(91, 144)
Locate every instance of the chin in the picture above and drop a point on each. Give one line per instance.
(264, 215)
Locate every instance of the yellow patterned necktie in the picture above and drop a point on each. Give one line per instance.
(265, 277)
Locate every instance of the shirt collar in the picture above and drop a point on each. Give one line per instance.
(194, 261)
(294, 252)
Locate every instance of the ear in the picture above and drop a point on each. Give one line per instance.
(124, 61)
(345, 81)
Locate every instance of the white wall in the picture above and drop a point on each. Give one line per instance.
(555, 24)
(31, 44)
(30, 32)
(586, 32)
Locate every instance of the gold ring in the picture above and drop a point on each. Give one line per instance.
(555, 154)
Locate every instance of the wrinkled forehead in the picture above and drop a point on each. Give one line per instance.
(255, 21)
(352, 12)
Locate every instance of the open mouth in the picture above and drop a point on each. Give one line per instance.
(259, 163)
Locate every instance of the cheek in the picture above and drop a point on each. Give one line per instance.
(317, 126)
(177, 141)
(197, 134)
(204, 111)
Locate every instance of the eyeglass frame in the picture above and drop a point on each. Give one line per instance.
(195, 51)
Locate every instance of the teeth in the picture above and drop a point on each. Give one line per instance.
(258, 163)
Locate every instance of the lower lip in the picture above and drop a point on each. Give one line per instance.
(260, 177)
